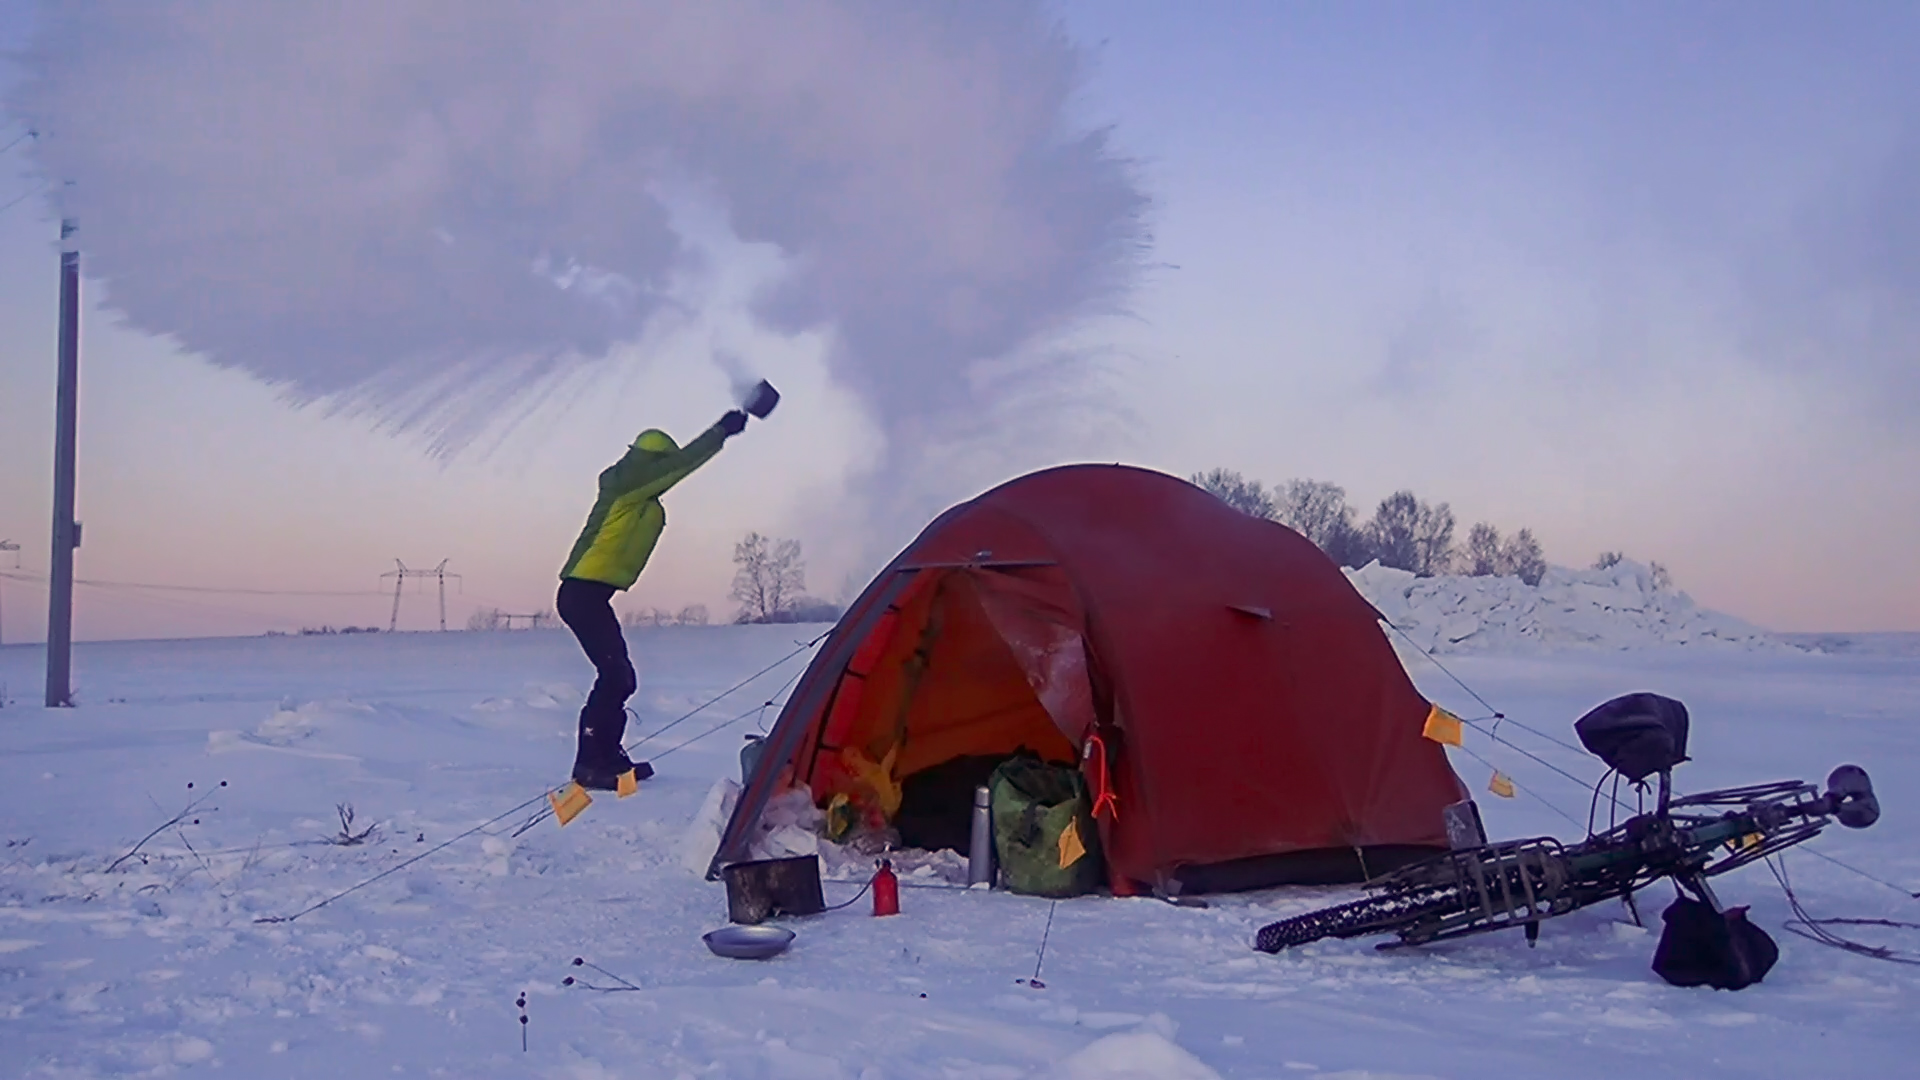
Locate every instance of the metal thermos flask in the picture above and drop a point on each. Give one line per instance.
(756, 745)
(980, 850)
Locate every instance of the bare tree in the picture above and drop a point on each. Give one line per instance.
(770, 578)
(1433, 540)
(1350, 547)
(1315, 509)
(1481, 558)
(1392, 529)
(692, 615)
(1319, 511)
(1520, 556)
(1244, 495)
(1408, 534)
(486, 619)
(1607, 560)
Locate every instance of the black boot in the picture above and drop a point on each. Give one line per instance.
(601, 772)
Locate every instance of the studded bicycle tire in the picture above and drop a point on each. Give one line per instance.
(1374, 915)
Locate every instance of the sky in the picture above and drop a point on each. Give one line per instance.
(1637, 277)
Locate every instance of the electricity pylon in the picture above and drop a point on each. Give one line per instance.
(400, 577)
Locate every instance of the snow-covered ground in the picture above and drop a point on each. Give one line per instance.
(159, 966)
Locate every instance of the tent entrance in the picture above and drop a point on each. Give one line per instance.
(950, 682)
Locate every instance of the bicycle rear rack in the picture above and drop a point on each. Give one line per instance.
(1499, 885)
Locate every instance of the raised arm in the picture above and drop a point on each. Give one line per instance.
(649, 474)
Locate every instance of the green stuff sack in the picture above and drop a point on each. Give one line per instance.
(1043, 830)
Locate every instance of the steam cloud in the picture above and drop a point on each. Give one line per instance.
(422, 209)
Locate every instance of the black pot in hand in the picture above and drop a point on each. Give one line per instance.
(762, 399)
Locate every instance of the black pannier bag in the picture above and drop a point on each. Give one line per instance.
(1703, 947)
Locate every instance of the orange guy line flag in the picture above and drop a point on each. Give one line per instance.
(1443, 727)
(569, 802)
(1071, 849)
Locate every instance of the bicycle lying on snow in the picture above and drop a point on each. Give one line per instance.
(1485, 887)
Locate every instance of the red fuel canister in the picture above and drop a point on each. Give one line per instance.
(886, 890)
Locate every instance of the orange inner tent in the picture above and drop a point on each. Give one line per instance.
(935, 682)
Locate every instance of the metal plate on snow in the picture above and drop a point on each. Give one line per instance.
(749, 942)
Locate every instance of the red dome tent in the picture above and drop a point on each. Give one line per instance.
(1213, 673)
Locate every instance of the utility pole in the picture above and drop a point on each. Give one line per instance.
(7, 545)
(400, 577)
(66, 531)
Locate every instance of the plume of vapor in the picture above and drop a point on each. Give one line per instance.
(426, 210)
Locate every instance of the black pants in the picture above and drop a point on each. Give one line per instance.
(587, 609)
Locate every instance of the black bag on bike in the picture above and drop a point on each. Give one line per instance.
(1636, 734)
(1702, 947)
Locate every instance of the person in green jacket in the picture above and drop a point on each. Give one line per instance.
(620, 535)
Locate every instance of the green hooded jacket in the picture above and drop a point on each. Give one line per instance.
(627, 517)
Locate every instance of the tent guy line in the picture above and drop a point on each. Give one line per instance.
(444, 844)
(546, 812)
(772, 702)
(724, 694)
(1499, 717)
(1542, 799)
(434, 850)
(1494, 714)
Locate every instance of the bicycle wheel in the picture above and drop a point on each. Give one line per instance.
(1374, 915)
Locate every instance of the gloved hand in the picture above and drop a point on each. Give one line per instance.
(734, 422)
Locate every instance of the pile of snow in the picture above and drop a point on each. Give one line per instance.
(1620, 607)
(1146, 1054)
(792, 825)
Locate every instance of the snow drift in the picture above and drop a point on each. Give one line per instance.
(1620, 607)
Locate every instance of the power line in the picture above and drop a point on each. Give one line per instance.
(24, 136)
(28, 194)
(100, 584)
(139, 594)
